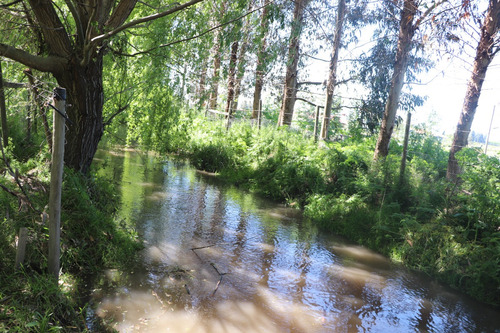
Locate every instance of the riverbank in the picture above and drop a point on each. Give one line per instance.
(91, 240)
(448, 231)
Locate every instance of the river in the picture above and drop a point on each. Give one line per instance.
(218, 259)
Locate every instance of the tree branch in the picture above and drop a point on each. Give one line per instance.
(308, 102)
(310, 83)
(14, 85)
(120, 14)
(142, 20)
(120, 110)
(54, 33)
(10, 4)
(428, 11)
(51, 64)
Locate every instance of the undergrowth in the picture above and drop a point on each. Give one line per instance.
(30, 299)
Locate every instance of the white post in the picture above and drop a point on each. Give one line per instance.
(56, 173)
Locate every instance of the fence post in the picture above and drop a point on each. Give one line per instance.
(316, 122)
(229, 112)
(21, 246)
(56, 173)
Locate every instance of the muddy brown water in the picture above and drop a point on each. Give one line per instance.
(218, 259)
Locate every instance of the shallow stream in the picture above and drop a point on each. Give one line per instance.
(218, 259)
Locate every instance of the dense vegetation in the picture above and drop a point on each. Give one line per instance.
(146, 74)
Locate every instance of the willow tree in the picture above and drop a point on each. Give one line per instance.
(73, 37)
(487, 48)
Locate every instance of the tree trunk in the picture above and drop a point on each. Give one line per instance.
(483, 58)
(261, 61)
(332, 74)
(3, 110)
(201, 88)
(402, 167)
(232, 78)
(216, 73)
(242, 61)
(406, 32)
(85, 99)
(290, 89)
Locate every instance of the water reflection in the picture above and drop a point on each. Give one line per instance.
(220, 260)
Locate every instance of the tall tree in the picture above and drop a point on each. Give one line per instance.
(408, 25)
(3, 110)
(232, 78)
(73, 51)
(487, 48)
(217, 55)
(332, 72)
(261, 58)
(290, 88)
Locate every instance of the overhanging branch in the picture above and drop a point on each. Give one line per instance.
(51, 64)
(102, 37)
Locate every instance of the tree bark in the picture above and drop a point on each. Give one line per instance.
(232, 77)
(290, 89)
(484, 55)
(261, 60)
(406, 33)
(332, 74)
(3, 110)
(85, 100)
(242, 60)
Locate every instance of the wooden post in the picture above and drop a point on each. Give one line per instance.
(316, 123)
(21, 246)
(229, 113)
(56, 173)
(259, 114)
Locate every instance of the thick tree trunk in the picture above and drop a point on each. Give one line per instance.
(85, 101)
(3, 110)
(406, 32)
(232, 78)
(261, 61)
(332, 74)
(290, 89)
(484, 56)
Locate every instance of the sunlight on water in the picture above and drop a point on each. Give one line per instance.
(217, 259)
